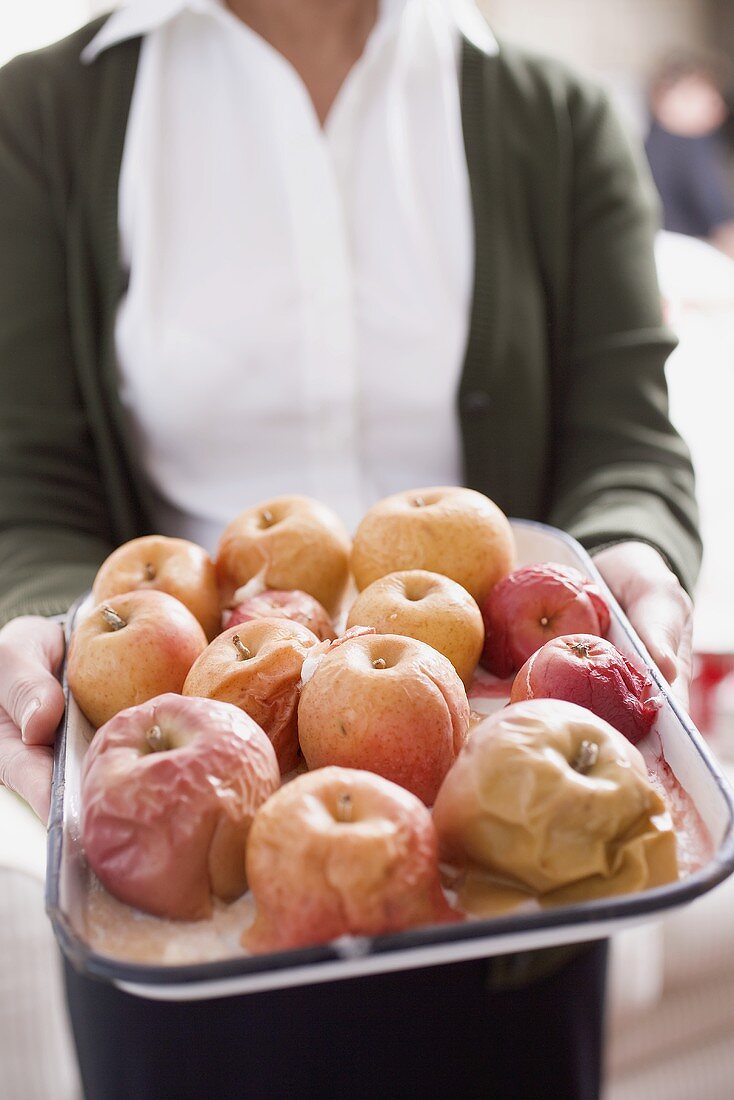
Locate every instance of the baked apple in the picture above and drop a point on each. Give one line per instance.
(336, 852)
(389, 705)
(534, 604)
(297, 606)
(551, 797)
(169, 792)
(129, 649)
(292, 542)
(257, 667)
(176, 566)
(449, 530)
(590, 671)
(427, 606)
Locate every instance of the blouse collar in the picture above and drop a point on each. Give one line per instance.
(140, 17)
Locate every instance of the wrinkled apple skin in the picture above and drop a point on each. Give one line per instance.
(166, 830)
(531, 606)
(109, 670)
(265, 685)
(591, 672)
(407, 722)
(339, 851)
(427, 606)
(175, 566)
(299, 607)
(446, 529)
(294, 542)
(516, 804)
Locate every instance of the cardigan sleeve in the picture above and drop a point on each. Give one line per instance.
(54, 528)
(620, 469)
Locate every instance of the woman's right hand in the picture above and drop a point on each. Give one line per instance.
(31, 706)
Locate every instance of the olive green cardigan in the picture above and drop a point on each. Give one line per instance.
(562, 401)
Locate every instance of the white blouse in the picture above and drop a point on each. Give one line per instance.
(298, 296)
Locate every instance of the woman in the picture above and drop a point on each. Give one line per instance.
(317, 247)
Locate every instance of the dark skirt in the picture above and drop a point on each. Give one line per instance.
(442, 1031)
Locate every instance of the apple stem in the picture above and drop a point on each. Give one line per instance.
(112, 619)
(586, 757)
(156, 739)
(243, 652)
(267, 516)
(344, 808)
(419, 502)
(380, 662)
(544, 621)
(149, 571)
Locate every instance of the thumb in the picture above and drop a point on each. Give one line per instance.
(43, 711)
(31, 695)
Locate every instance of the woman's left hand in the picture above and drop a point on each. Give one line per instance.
(657, 606)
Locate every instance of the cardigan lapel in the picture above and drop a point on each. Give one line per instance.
(95, 266)
(485, 162)
(503, 392)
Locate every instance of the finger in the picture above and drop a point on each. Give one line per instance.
(29, 691)
(32, 635)
(26, 769)
(662, 618)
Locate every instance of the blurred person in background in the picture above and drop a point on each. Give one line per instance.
(687, 150)
(361, 247)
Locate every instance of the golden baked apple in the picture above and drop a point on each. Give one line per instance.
(550, 797)
(427, 606)
(449, 530)
(387, 704)
(339, 851)
(293, 542)
(257, 667)
(129, 649)
(176, 566)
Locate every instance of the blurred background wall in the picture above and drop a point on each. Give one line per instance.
(617, 41)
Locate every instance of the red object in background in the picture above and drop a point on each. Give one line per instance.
(709, 671)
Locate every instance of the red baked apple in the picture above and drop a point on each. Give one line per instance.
(129, 649)
(257, 667)
(593, 673)
(297, 606)
(388, 704)
(427, 606)
(169, 791)
(534, 604)
(449, 530)
(176, 566)
(292, 542)
(337, 852)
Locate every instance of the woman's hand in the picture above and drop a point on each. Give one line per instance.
(658, 608)
(31, 706)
